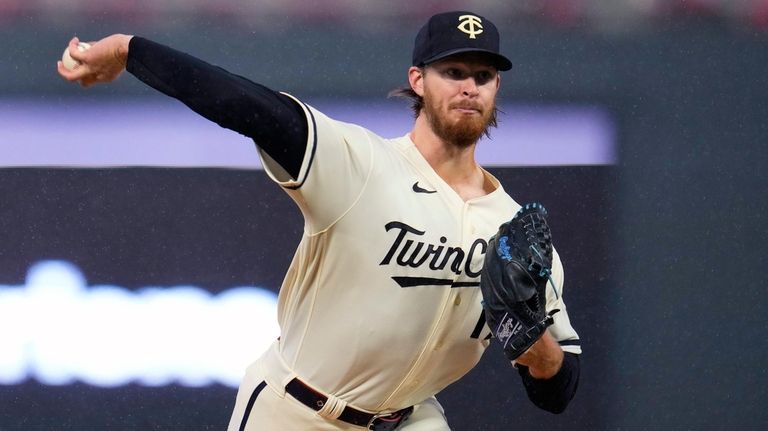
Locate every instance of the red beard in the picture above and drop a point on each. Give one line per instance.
(464, 132)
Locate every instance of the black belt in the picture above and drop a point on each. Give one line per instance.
(377, 422)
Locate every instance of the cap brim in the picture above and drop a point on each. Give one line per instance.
(502, 63)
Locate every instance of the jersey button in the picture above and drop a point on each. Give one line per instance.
(457, 301)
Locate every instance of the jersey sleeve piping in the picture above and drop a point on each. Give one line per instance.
(313, 144)
(276, 172)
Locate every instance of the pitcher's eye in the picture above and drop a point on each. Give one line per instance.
(482, 78)
(454, 73)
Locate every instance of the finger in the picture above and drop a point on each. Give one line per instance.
(72, 45)
(75, 52)
(80, 72)
(64, 72)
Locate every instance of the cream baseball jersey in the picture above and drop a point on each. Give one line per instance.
(381, 306)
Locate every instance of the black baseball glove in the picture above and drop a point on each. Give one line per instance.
(518, 266)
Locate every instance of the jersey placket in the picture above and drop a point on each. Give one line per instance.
(438, 333)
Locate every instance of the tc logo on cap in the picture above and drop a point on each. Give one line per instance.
(439, 38)
(471, 25)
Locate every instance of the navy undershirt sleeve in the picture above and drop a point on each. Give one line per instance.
(553, 394)
(274, 121)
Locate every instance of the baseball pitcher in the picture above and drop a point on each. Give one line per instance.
(413, 257)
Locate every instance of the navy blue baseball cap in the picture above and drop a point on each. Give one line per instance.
(450, 33)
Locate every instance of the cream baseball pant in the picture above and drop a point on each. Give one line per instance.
(270, 408)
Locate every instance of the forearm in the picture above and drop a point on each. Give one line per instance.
(556, 392)
(204, 87)
(274, 121)
(550, 376)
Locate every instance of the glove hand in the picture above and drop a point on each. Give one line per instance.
(517, 268)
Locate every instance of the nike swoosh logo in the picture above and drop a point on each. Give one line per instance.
(418, 189)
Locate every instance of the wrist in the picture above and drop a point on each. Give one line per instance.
(121, 51)
(546, 366)
(544, 358)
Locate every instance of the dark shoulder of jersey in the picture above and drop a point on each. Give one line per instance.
(553, 394)
(274, 121)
